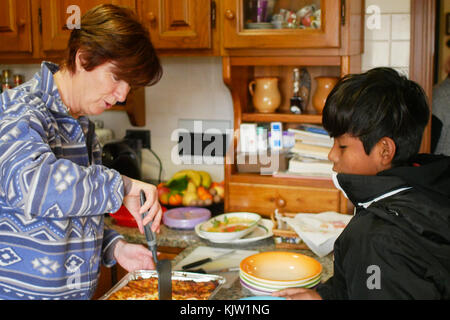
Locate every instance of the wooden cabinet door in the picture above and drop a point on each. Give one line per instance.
(55, 33)
(178, 24)
(15, 26)
(237, 35)
(265, 198)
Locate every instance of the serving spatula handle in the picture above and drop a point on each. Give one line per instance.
(149, 234)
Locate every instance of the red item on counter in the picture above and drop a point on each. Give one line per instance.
(124, 218)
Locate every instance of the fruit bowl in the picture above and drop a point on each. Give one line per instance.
(229, 226)
(190, 188)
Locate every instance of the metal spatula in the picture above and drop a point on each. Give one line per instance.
(163, 267)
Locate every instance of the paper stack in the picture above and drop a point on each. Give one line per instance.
(312, 145)
(319, 230)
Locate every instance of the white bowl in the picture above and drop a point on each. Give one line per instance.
(247, 220)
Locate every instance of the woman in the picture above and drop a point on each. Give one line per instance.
(54, 191)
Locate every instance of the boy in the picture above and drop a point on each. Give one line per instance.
(397, 245)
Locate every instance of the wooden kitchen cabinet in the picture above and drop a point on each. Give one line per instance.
(340, 33)
(240, 34)
(181, 27)
(265, 197)
(334, 50)
(54, 16)
(15, 26)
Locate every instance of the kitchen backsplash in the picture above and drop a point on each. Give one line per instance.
(192, 88)
(387, 35)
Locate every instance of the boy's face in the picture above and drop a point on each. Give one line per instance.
(348, 156)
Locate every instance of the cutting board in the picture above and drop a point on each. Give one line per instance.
(229, 261)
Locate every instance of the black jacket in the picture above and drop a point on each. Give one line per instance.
(399, 246)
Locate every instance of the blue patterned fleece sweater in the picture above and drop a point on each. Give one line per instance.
(54, 193)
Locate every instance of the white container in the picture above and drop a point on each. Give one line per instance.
(247, 138)
(276, 138)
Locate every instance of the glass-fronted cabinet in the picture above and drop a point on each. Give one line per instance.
(282, 23)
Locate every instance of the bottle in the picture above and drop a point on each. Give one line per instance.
(18, 80)
(6, 80)
(261, 136)
(296, 100)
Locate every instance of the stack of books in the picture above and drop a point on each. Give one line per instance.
(310, 153)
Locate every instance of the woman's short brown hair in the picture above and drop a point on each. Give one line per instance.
(111, 33)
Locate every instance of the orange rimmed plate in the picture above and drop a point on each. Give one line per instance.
(280, 267)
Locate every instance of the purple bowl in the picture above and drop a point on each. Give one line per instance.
(185, 217)
(253, 289)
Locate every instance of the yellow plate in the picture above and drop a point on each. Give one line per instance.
(280, 266)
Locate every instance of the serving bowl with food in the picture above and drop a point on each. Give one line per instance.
(229, 226)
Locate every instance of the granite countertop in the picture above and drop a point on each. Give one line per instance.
(188, 240)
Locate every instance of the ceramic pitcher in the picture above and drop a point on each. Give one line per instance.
(324, 87)
(265, 94)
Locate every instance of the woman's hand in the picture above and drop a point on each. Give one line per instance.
(133, 256)
(297, 294)
(132, 201)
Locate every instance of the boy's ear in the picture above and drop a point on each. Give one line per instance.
(387, 150)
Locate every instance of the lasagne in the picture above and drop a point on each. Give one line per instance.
(147, 289)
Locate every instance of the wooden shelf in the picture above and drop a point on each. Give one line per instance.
(255, 178)
(282, 117)
(287, 61)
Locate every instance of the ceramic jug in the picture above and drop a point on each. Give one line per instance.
(265, 94)
(323, 89)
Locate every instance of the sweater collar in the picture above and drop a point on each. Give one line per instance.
(48, 88)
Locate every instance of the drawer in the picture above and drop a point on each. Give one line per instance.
(265, 198)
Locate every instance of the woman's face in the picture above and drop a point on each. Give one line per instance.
(97, 90)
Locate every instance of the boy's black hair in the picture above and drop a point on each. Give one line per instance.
(375, 104)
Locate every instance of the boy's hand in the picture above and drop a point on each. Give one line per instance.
(298, 294)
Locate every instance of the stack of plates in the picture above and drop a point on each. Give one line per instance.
(267, 272)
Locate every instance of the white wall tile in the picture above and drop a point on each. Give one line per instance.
(401, 27)
(381, 33)
(376, 54)
(400, 53)
(391, 6)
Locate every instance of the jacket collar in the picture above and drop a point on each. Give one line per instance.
(363, 190)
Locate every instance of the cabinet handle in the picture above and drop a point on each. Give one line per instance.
(21, 23)
(151, 17)
(281, 202)
(229, 14)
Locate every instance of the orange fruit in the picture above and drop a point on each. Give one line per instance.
(175, 199)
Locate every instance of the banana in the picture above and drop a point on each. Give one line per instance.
(206, 179)
(194, 176)
(188, 197)
(179, 175)
(191, 187)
